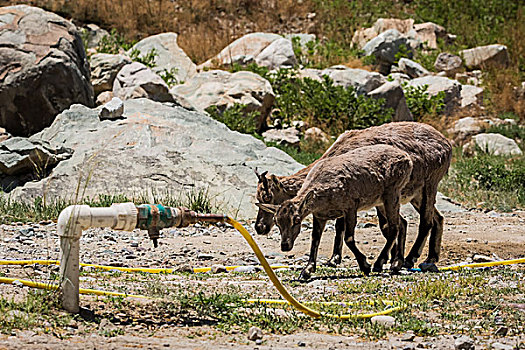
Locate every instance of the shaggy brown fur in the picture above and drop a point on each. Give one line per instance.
(430, 153)
(339, 186)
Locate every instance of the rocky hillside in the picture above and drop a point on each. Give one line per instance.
(297, 91)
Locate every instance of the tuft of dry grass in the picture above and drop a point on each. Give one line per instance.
(205, 27)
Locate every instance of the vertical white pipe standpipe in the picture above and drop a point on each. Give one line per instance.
(71, 222)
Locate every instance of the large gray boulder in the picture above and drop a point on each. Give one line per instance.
(43, 68)
(471, 96)
(394, 97)
(93, 35)
(135, 80)
(169, 56)
(104, 70)
(428, 33)
(277, 55)
(22, 160)
(243, 50)
(223, 89)
(288, 136)
(411, 68)
(361, 80)
(385, 46)
(448, 63)
(496, 144)
(157, 148)
(483, 56)
(435, 84)
(364, 35)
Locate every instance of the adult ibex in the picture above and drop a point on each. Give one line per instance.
(430, 153)
(338, 187)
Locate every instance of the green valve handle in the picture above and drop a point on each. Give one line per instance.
(154, 217)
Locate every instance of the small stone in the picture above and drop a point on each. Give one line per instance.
(301, 344)
(464, 343)
(501, 346)
(134, 244)
(502, 331)
(206, 241)
(478, 258)
(218, 269)
(114, 109)
(258, 341)
(17, 283)
(130, 256)
(184, 268)
(409, 336)
(245, 269)
(387, 321)
(468, 240)
(204, 256)
(255, 333)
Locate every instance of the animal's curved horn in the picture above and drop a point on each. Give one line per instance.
(270, 208)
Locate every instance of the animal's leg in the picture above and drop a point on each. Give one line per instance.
(383, 226)
(317, 231)
(434, 244)
(424, 204)
(337, 253)
(350, 222)
(391, 211)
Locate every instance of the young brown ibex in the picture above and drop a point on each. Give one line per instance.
(430, 152)
(339, 186)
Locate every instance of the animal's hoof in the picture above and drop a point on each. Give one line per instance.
(408, 264)
(333, 262)
(428, 267)
(395, 267)
(365, 268)
(378, 268)
(305, 275)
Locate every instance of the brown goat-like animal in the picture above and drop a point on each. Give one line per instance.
(430, 153)
(339, 186)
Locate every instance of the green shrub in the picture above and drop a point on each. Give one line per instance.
(495, 181)
(170, 76)
(321, 103)
(236, 118)
(148, 59)
(420, 103)
(113, 43)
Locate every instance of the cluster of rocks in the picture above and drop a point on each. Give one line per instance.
(471, 133)
(44, 62)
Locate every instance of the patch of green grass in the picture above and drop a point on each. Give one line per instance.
(486, 180)
(36, 308)
(41, 208)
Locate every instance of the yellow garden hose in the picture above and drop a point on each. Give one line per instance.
(49, 286)
(289, 299)
(282, 290)
(123, 269)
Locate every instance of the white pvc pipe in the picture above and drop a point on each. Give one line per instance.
(71, 222)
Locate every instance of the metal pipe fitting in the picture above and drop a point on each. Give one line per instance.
(124, 216)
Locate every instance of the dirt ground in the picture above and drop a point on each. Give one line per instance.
(466, 233)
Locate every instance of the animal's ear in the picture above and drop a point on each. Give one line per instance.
(261, 177)
(269, 208)
(275, 181)
(309, 196)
